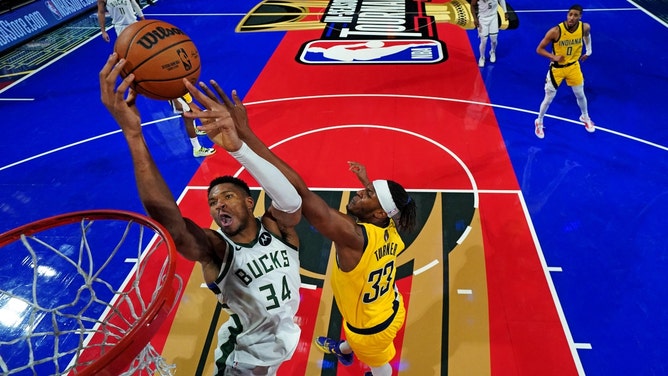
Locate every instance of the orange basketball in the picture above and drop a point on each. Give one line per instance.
(160, 55)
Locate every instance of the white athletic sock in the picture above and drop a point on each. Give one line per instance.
(385, 370)
(344, 347)
(195, 143)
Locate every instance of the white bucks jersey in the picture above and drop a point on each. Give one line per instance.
(259, 282)
(122, 14)
(487, 8)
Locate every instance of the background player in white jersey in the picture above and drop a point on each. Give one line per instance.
(123, 13)
(250, 263)
(486, 19)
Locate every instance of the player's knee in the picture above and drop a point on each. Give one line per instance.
(578, 90)
(550, 92)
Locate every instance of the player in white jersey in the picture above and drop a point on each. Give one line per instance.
(123, 13)
(254, 266)
(267, 272)
(486, 20)
(374, 216)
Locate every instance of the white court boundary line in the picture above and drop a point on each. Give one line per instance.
(441, 99)
(52, 151)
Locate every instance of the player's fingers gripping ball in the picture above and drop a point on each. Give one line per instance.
(160, 55)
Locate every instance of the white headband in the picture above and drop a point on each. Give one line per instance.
(385, 197)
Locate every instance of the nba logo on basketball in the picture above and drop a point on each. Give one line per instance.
(183, 55)
(411, 51)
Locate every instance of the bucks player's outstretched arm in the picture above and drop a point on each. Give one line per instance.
(331, 223)
(285, 211)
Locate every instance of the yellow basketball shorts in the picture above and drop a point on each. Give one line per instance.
(378, 348)
(572, 74)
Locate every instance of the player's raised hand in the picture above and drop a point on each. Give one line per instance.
(359, 170)
(235, 106)
(216, 120)
(120, 106)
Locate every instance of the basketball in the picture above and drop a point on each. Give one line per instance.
(160, 55)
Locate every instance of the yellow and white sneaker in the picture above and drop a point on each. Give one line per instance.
(203, 152)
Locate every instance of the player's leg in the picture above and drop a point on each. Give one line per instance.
(482, 47)
(493, 37)
(552, 81)
(582, 103)
(492, 49)
(180, 105)
(483, 34)
(575, 80)
(581, 99)
(377, 350)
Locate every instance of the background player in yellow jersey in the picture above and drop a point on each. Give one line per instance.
(366, 240)
(184, 104)
(567, 40)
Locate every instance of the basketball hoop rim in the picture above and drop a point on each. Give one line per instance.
(156, 312)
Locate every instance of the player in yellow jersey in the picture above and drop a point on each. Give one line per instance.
(366, 295)
(567, 40)
(184, 104)
(366, 240)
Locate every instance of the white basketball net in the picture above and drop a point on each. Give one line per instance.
(69, 295)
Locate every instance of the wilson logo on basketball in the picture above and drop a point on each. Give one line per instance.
(160, 55)
(152, 38)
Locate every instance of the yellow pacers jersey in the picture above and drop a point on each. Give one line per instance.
(188, 98)
(569, 44)
(365, 295)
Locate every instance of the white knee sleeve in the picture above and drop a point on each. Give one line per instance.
(549, 96)
(579, 91)
(494, 39)
(483, 45)
(581, 98)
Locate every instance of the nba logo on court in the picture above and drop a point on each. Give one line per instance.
(410, 51)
